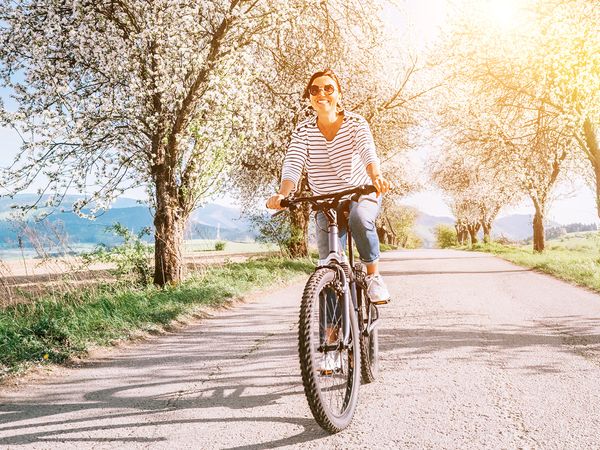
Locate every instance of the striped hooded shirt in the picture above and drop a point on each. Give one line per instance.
(331, 165)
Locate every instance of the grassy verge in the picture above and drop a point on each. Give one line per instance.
(579, 264)
(54, 329)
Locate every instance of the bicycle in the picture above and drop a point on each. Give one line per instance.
(338, 322)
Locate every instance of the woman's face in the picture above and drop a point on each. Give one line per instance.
(324, 94)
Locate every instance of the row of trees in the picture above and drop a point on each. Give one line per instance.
(522, 106)
(186, 97)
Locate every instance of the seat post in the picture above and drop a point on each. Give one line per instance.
(333, 231)
(350, 250)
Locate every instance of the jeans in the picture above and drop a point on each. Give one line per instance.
(362, 224)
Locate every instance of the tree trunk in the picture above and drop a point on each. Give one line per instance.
(299, 219)
(168, 238)
(382, 233)
(298, 244)
(472, 235)
(461, 234)
(458, 234)
(169, 218)
(539, 240)
(473, 229)
(593, 153)
(487, 231)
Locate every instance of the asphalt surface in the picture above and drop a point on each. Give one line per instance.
(475, 353)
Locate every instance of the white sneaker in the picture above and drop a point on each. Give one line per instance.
(331, 362)
(377, 290)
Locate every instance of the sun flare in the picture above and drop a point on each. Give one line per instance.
(503, 12)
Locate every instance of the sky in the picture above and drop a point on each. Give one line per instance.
(419, 23)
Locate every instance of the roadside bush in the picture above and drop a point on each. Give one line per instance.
(220, 245)
(445, 236)
(273, 230)
(132, 257)
(503, 240)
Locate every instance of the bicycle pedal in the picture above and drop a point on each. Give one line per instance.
(381, 302)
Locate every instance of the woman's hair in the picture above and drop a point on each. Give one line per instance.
(323, 73)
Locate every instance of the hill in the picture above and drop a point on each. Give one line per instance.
(208, 222)
(516, 227)
(211, 221)
(425, 224)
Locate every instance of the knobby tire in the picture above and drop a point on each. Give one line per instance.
(369, 343)
(308, 343)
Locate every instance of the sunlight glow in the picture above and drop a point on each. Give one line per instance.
(503, 12)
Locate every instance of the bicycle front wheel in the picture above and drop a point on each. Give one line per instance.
(330, 368)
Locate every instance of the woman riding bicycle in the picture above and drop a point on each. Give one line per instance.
(337, 149)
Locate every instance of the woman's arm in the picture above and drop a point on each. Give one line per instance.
(379, 181)
(366, 150)
(286, 188)
(293, 165)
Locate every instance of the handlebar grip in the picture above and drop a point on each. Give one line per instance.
(367, 189)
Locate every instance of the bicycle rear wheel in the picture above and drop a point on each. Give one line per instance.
(331, 389)
(369, 340)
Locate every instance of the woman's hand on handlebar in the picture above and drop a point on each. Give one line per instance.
(381, 184)
(274, 202)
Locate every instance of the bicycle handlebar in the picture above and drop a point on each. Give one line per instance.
(360, 190)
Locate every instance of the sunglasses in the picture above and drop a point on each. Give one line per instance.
(328, 89)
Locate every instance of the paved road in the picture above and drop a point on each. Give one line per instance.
(476, 353)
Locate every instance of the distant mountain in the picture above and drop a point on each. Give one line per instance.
(65, 204)
(425, 224)
(214, 221)
(209, 222)
(217, 215)
(516, 227)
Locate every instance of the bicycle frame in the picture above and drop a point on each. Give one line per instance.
(336, 258)
(335, 346)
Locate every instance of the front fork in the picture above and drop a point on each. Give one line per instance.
(346, 292)
(345, 286)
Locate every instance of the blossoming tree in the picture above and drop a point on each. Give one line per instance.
(113, 95)
(527, 96)
(379, 84)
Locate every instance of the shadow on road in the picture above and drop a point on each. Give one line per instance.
(565, 334)
(385, 258)
(448, 272)
(207, 375)
(102, 411)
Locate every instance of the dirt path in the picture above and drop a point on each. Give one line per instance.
(476, 353)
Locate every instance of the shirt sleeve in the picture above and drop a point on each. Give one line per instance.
(295, 158)
(365, 144)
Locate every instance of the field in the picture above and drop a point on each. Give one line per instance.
(574, 257)
(203, 245)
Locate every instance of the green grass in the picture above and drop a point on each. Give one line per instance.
(204, 245)
(574, 257)
(55, 329)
